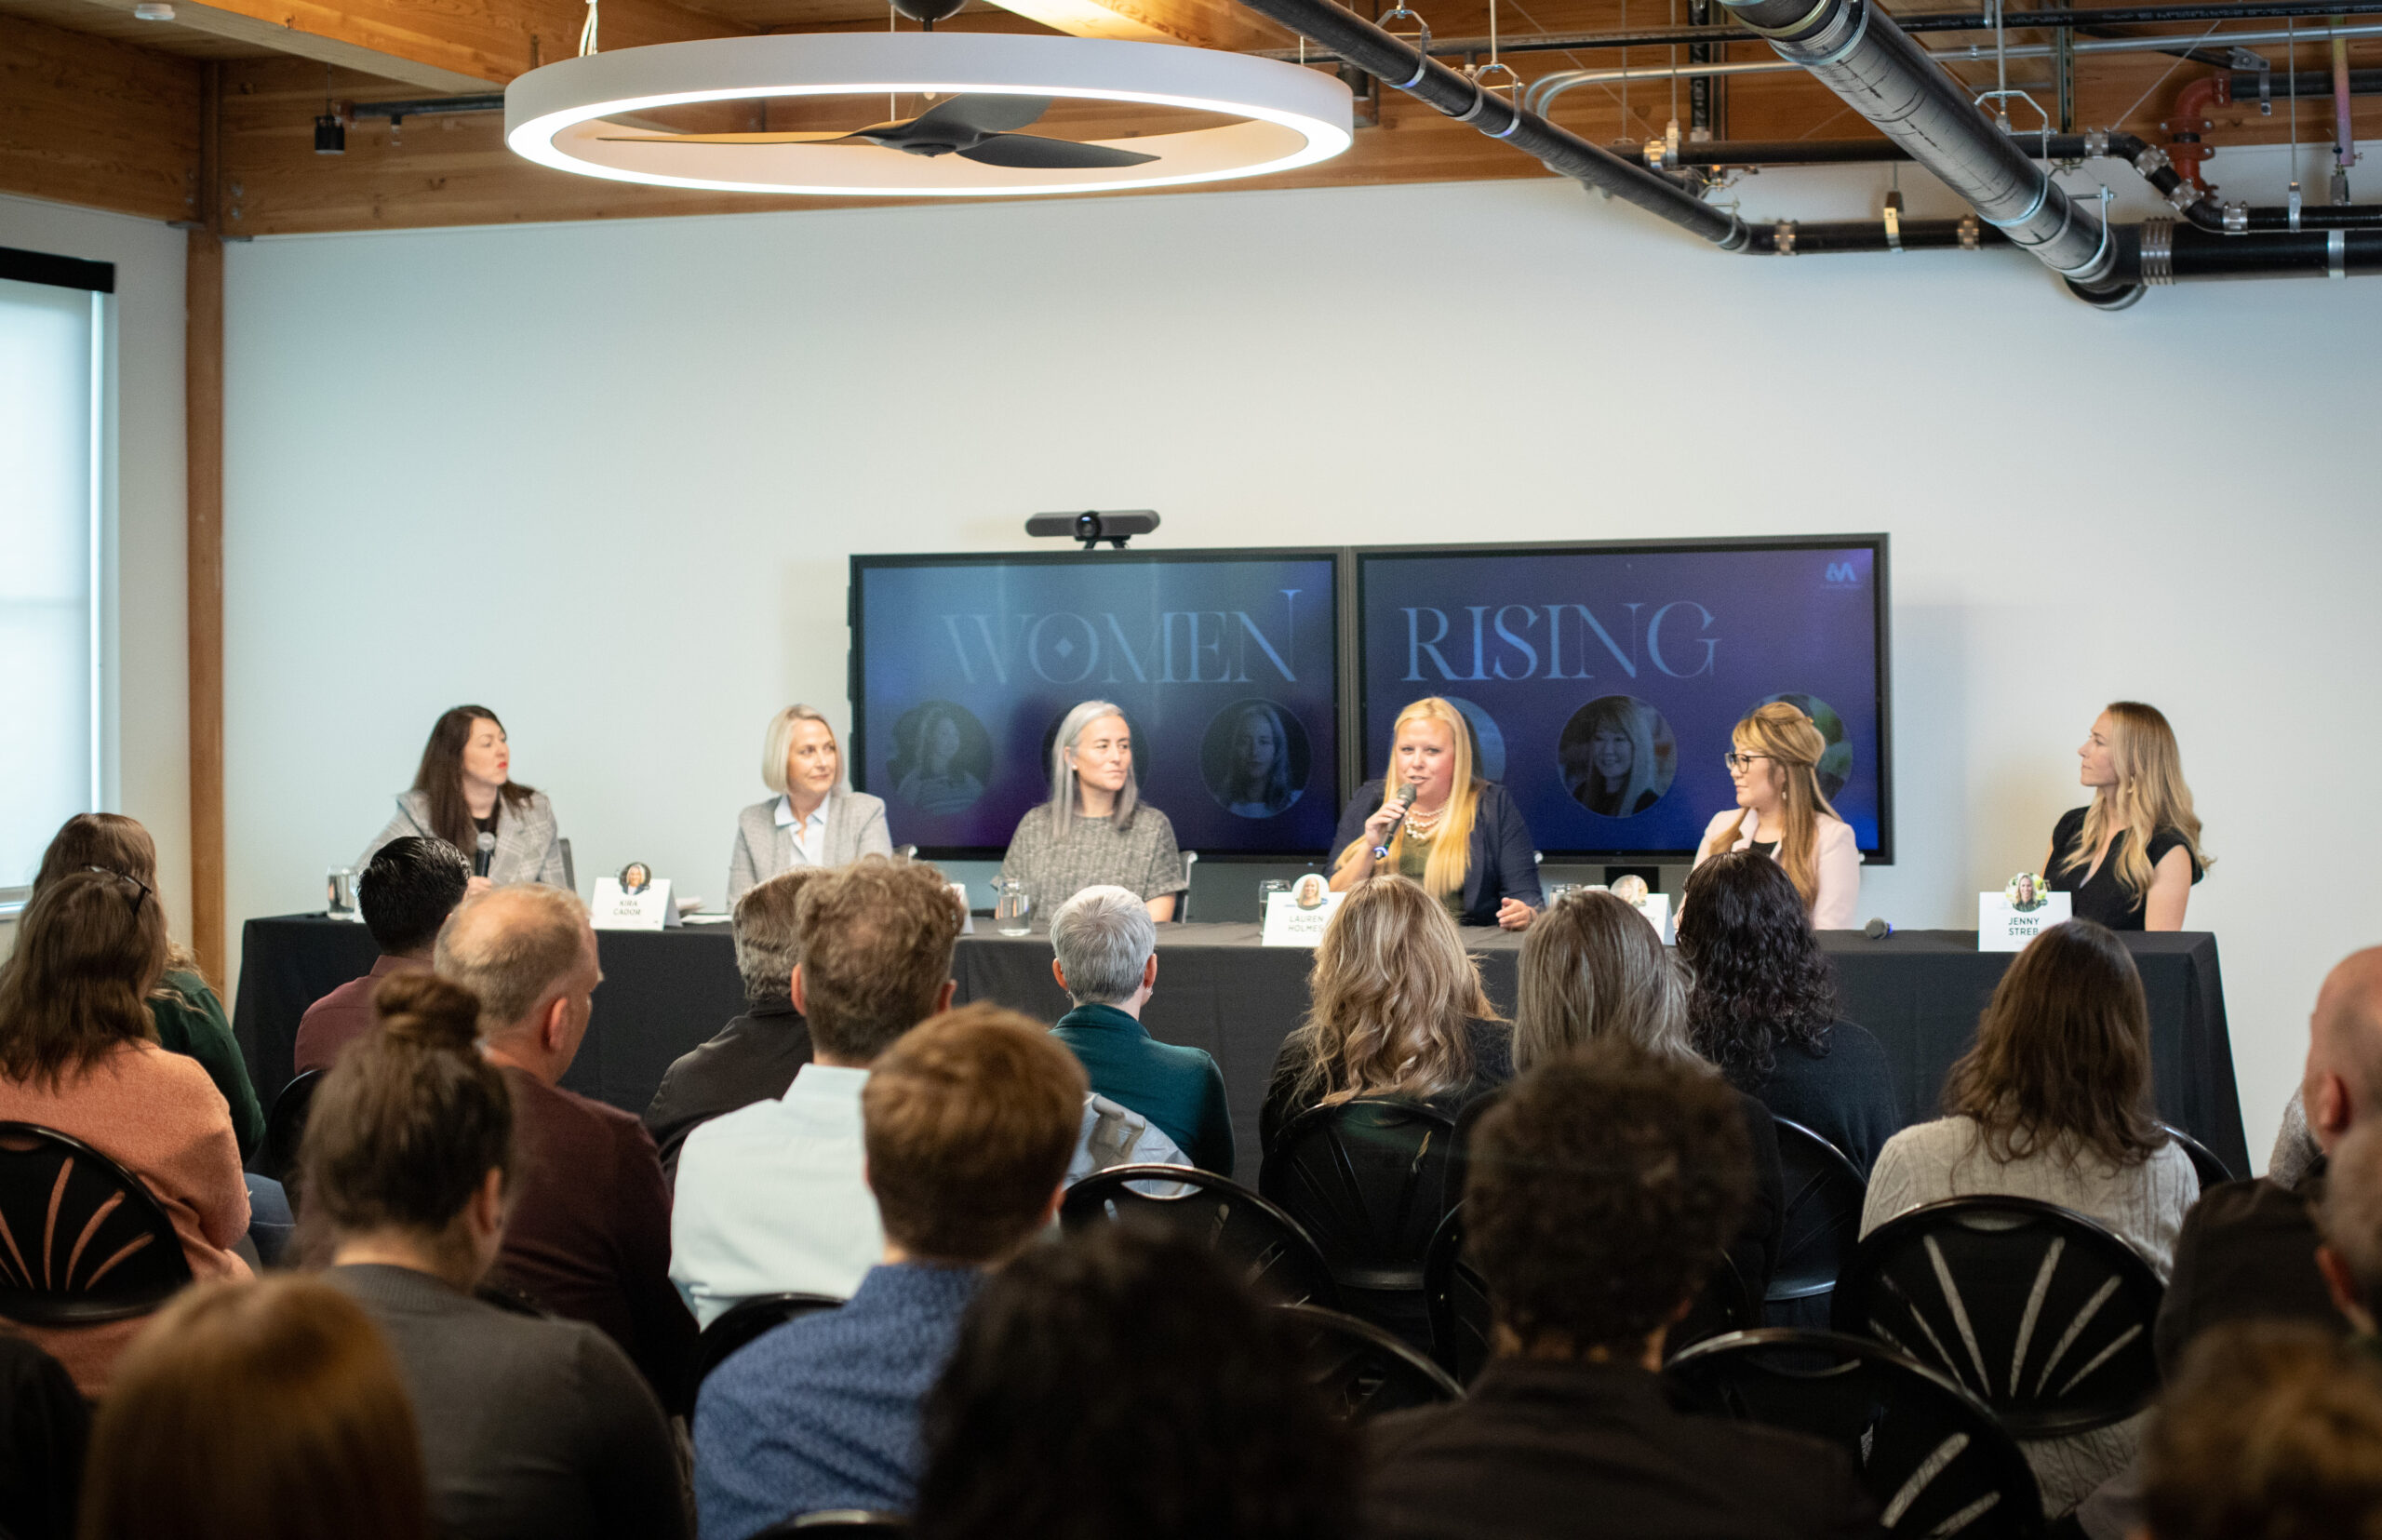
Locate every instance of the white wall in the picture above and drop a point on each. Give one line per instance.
(604, 478)
(144, 665)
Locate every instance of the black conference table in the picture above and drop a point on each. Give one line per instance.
(665, 991)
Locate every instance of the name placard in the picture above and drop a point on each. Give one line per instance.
(615, 908)
(2003, 925)
(1289, 925)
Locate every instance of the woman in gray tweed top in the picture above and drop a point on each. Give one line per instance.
(1095, 829)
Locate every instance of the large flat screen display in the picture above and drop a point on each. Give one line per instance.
(1226, 664)
(1602, 681)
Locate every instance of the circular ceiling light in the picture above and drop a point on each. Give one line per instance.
(1286, 116)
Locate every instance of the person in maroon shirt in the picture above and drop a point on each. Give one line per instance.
(588, 1235)
(406, 892)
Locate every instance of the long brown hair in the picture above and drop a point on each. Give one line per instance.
(90, 947)
(1593, 968)
(116, 843)
(257, 1411)
(2062, 1061)
(1450, 857)
(1792, 747)
(440, 777)
(1392, 989)
(2149, 795)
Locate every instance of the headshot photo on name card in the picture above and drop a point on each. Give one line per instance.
(1836, 763)
(1254, 758)
(635, 877)
(942, 758)
(1309, 891)
(1618, 755)
(2025, 892)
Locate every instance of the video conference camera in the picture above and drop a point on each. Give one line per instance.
(1091, 526)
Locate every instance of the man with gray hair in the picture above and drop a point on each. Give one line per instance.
(1107, 960)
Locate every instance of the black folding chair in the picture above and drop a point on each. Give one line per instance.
(2036, 1310)
(284, 1127)
(81, 1240)
(832, 1521)
(2206, 1164)
(1362, 1370)
(1368, 1180)
(1825, 1192)
(746, 1321)
(1930, 1455)
(1274, 1256)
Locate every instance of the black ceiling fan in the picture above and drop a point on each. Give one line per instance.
(978, 128)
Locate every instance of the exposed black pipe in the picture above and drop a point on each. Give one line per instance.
(1836, 237)
(2307, 84)
(2195, 253)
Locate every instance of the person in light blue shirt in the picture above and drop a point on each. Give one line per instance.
(968, 1123)
(770, 1198)
(1105, 957)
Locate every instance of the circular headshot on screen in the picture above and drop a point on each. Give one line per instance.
(1488, 738)
(942, 758)
(1140, 746)
(1254, 758)
(1836, 764)
(1618, 755)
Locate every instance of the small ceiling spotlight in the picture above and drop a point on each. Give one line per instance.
(152, 10)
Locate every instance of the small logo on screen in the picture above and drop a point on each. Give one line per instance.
(1843, 574)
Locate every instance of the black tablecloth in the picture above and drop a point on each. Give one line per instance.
(663, 992)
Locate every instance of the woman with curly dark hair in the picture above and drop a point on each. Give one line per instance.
(1764, 1007)
(1121, 1383)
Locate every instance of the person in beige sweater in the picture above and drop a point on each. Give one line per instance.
(77, 1056)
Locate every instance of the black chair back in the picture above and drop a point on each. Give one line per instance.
(1368, 1180)
(2036, 1310)
(1930, 1455)
(746, 1321)
(81, 1240)
(2206, 1164)
(284, 1127)
(832, 1521)
(1825, 1192)
(1363, 1371)
(1274, 1256)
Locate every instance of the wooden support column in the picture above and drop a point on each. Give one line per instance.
(203, 409)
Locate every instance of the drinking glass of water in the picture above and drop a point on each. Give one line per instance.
(339, 894)
(1011, 908)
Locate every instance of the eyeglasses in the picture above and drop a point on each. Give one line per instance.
(142, 889)
(1736, 762)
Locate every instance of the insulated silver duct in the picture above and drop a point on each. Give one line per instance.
(1855, 50)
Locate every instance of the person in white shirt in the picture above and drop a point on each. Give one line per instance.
(815, 819)
(1773, 758)
(771, 1199)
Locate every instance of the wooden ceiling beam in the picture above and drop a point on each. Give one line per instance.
(85, 120)
(1204, 24)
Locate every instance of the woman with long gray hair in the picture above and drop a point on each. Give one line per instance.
(1095, 830)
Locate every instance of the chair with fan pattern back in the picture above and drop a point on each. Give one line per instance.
(81, 1240)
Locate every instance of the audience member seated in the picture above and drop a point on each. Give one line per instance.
(1121, 1385)
(1763, 1007)
(75, 1056)
(1600, 1188)
(756, 1056)
(45, 1428)
(530, 1427)
(1104, 947)
(266, 1410)
(1398, 1013)
(406, 892)
(587, 1233)
(1593, 970)
(2350, 1257)
(970, 1120)
(2271, 1432)
(2054, 1103)
(185, 1010)
(770, 1198)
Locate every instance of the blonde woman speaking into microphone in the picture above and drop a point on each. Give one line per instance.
(1781, 813)
(1463, 838)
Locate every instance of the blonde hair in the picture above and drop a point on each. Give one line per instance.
(1786, 738)
(777, 743)
(1592, 969)
(1443, 871)
(2149, 795)
(1392, 989)
(1063, 774)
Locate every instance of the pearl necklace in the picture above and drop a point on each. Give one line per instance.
(1420, 824)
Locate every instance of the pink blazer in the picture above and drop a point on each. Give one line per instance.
(1838, 862)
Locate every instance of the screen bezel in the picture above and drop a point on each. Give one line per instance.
(1881, 618)
(856, 759)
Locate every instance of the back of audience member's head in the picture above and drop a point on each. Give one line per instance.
(113, 842)
(516, 948)
(1392, 989)
(1102, 938)
(1123, 1382)
(1592, 969)
(2343, 1082)
(256, 1411)
(2271, 1431)
(2350, 1221)
(1762, 981)
(408, 1124)
(970, 1120)
(89, 948)
(1601, 1187)
(876, 944)
(409, 889)
(768, 935)
(2062, 1059)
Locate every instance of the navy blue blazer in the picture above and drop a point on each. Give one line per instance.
(1502, 864)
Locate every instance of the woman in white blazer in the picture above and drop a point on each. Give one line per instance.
(814, 819)
(465, 793)
(1782, 813)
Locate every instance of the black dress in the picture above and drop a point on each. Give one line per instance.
(2103, 899)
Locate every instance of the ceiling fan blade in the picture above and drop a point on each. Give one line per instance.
(723, 139)
(981, 113)
(1033, 152)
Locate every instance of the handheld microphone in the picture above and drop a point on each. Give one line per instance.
(1877, 930)
(485, 853)
(1405, 795)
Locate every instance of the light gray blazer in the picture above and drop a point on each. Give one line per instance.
(528, 846)
(855, 828)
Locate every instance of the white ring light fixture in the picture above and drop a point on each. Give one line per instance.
(554, 116)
